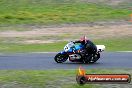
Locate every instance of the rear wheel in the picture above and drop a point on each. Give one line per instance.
(95, 58)
(60, 58)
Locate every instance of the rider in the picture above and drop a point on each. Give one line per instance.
(88, 48)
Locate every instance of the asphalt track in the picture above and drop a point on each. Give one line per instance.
(42, 61)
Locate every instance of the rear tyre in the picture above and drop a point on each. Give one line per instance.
(95, 58)
(60, 58)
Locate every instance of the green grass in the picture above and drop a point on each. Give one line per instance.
(117, 44)
(49, 78)
(124, 44)
(32, 47)
(56, 11)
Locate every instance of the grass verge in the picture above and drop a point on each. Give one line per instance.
(51, 78)
(56, 11)
(124, 44)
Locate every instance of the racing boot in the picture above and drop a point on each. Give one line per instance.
(85, 56)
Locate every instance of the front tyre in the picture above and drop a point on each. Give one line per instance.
(60, 58)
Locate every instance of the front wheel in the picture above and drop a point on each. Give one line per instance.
(60, 58)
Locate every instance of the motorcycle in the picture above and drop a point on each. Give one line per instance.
(72, 52)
